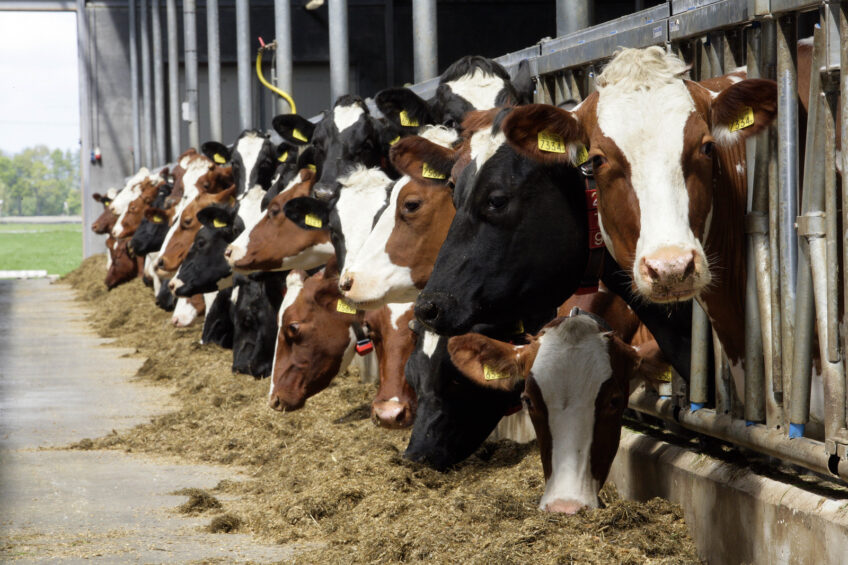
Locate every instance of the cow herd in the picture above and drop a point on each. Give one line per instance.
(512, 268)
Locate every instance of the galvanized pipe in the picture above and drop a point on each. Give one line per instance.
(573, 15)
(698, 362)
(339, 62)
(802, 451)
(91, 243)
(146, 88)
(158, 85)
(173, 80)
(723, 382)
(213, 63)
(245, 94)
(282, 28)
(136, 118)
(425, 40)
(843, 128)
(190, 40)
(787, 140)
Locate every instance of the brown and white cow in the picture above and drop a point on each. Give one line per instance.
(123, 266)
(106, 220)
(129, 221)
(188, 309)
(668, 156)
(576, 377)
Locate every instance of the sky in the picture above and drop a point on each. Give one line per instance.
(39, 98)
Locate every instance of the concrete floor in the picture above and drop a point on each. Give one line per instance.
(60, 384)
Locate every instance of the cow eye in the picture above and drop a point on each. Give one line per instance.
(526, 401)
(274, 211)
(293, 330)
(707, 149)
(598, 161)
(497, 200)
(411, 206)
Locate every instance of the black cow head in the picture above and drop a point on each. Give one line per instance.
(154, 226)
(205, 264)
(255, 323)
(253, 158)
(165, 299)
(218, 322)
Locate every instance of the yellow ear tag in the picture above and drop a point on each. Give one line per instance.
(313, 221)
(429, 172)
(395, 140)
(406, 121)
(519, 328)
(666, 376)
(216, 223)
(312, 167)
(550, 142)
(157, 219)
(344, 307)
(582, 156)
(218, 158)
(491, 374)
(283, 157)
(744, 120)
(299, 136)
(105, 202)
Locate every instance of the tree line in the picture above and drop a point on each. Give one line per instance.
(39, 181)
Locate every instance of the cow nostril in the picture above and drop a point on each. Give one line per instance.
(427, 311)
(228, 253)
(690, 267)
(650, 271)
(274, 402)
(160, 264)
(346, 284)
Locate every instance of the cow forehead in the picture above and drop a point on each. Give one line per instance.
(346, 116)
(479, 88)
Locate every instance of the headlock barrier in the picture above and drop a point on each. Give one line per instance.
(796, 290)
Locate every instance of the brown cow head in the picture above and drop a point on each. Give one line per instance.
(395, 403)
(130, 220)
(106, 221)
(124, 267)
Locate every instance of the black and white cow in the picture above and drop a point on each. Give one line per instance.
(255, 323)
(151, 233)
(253, 158)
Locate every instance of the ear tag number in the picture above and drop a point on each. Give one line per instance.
(582, 156)
(344, 307)
(216, 223)
(550, 142)
(429, 172)
(312, 167)
(157, 219)
(666, 376)
(218, 158)
(491, 374)
(744, 120)
(313, 221)
(395, 140)
(406, 121)
(282, 158)
(299, 136)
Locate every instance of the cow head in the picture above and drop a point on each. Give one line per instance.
(253, 159)
(187, 310)
(395, 404)
(124, 267)
(657, 145)
(130, 220)
(288, 165)
(575, 378)
(255, 325)
(106, 221)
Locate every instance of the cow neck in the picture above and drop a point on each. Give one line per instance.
(595, 262)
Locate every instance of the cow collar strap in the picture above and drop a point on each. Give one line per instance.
(364, 345)
(594, 265)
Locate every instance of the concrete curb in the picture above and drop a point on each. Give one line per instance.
(734, 515)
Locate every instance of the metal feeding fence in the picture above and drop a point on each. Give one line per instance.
(793, 241)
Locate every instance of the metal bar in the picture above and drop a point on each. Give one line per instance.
(425, 39)
(173, 80)
(698, 363)
(213, 63)
(244, 68)
(723, 382)
(90, 243)
(801, 451)
(573, 15)
(282, 28)
(146, 87)
(136, 118)
(787, 140)
(190, 25)
(843, 128)
(39, 6)
(339, 62)
(158, 84)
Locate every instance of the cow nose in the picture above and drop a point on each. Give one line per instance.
(669, 266)
(323, 191)
(346, 284)
(390, 413)
(160, 264)
(274, 403)
(427, 311)
(172, 285)
(229, 251)
(564, 506)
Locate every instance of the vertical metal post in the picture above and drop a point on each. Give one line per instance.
(698, 363)
(425, 39)
(245, 98)
(282, 26)
(339, 62)
(90, 243)
(573, 15)
(190, 39)
(173, 80)
(389, 33)
(136, 123)
(146, 96)
(843, 128)
(158, 85)
(213, 63)
(787, 140)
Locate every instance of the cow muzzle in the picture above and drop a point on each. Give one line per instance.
(391, 413)
(671, 274)
(564, 506)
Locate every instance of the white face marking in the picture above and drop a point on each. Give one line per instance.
(209, 299)
(234, 296)
(294, 284)
(184, 313)
(197, 169)
(362, 195)
(570, 367)
(484, 145)
(309, 258)
(121, 203)
(346, 116)
(250, 212)
(398, 310)
(249, 147)
(431, 341)
(479, 89)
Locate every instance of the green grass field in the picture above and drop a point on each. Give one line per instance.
(54, 247)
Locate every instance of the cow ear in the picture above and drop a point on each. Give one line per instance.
(215, 217)
(286, 153)
(156, 216)
(422, 159)
(218, 152)
(97, 197)
(307, 212)
(294, 129)
(491, 363)
(523, 83)
(306, 160)
(163, 174)
(743, 109)
(546, 134)
(404, 108)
